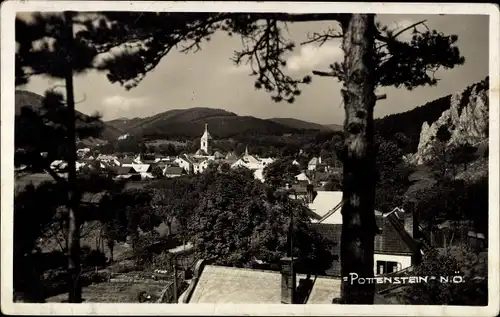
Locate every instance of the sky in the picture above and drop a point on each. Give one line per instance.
(209, 78)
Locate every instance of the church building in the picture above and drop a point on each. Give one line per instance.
(205, 148)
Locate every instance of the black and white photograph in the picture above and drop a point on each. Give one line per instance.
(254, 157)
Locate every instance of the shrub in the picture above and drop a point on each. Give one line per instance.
(455, 261)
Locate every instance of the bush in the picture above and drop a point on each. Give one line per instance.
(455, 261)
(162, 261)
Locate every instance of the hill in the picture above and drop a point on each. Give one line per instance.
(300, 124)
(191, 123)
(335, 127)
(123, 124)
(25, 98)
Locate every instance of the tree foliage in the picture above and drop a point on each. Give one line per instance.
(393, 176)
(457, 261)
(280, 172)
(239, 221)
(455, 200)
(40, 133)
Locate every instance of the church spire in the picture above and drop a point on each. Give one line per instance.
(205, 140)
(246, 151)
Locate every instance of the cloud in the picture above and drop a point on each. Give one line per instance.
(400, 25)
(120, 105)
(312, 55)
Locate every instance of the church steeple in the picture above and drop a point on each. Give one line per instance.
(246, 151)
(205, 140)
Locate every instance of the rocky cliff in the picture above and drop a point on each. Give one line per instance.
(466, 120)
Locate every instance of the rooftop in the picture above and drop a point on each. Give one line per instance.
(326, 201)
(230, 285)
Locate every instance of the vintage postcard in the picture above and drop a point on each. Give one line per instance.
(249, 158)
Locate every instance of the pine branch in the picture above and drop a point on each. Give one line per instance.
(322, 38)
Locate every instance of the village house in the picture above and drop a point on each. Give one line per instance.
(185, 163)
(142, 169)
(126, 172)
(395, 248)
(110, 159)
(252, 162)
(203, 165)
(302, 190)
(173, 171)
(218, 156)
(191, 164)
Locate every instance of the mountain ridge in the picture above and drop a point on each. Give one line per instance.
(305, 125)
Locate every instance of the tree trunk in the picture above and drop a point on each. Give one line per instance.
(358, 229)
(74, 270)
(168, 224)
(111, 246)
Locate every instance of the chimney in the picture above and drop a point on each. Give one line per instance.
(411, 227)
(408, 224)
(310, 193)
(288, 280)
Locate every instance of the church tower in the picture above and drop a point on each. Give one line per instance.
(205, 140)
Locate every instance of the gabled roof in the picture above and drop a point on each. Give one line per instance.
(230, 285)
(122, 170)
(201, 152)
(141, 168)
(391, 239)
(249, 159)
(231, 156)
(191, 159)
(174, 170)
(218, 155)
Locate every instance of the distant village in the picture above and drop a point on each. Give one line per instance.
(150, 166)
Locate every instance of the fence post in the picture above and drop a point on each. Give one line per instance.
(174, 260)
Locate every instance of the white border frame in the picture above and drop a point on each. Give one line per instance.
(8, 13)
